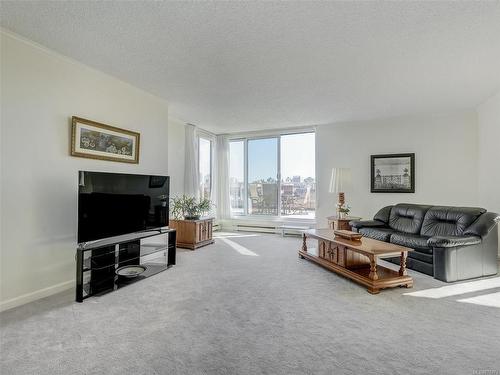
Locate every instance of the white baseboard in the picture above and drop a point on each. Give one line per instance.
(33, 296)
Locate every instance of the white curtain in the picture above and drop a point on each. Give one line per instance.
(191, 174)
(221, 178)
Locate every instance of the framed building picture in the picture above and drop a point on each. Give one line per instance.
(90, 139)
(393, 173)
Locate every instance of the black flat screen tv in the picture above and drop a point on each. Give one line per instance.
(113, 204)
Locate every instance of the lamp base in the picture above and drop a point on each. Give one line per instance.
(341, 199)
(340, 205)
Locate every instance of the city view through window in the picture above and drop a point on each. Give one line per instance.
(280, 176)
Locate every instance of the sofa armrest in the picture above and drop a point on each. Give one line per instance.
(482, 226)
(358, 224)
(450, 241)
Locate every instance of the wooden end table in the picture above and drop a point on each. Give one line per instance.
(357, 260)
(192, 234)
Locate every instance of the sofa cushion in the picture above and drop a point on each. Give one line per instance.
(449, 221)
(453, 241)
(413, 241)
(407, 218)
(383, 214)
(381, 234)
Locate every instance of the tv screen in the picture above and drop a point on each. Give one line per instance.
(112, 204)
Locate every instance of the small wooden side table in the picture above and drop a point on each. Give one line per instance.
(192, 234)
(337, 223)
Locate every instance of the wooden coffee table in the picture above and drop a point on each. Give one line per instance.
(357, 260)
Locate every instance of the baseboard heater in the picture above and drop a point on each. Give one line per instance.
(255, 228)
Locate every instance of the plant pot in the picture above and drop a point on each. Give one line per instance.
(193, 217)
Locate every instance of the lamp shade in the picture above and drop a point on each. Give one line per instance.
(340, 180)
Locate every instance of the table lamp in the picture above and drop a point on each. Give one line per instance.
(339, 183)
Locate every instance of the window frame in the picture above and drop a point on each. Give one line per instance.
(211, 140)
(266, 135)
(245, 168)
(278, 173)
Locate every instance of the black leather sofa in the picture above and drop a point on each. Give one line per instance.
(450, 243)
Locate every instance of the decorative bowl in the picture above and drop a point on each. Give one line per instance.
(130, 271)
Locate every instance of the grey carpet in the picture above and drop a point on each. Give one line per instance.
(221, 312)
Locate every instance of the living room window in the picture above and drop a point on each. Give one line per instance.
(298, 177)
(205, 166)
(262, 176)
(273, 176)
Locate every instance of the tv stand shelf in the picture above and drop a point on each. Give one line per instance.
(97, 261)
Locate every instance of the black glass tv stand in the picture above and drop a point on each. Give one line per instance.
(97, 262)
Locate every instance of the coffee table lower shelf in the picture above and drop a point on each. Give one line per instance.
(386, 278)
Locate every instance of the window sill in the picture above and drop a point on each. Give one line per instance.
(274, 219)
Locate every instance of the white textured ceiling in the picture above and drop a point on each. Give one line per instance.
(234, 66)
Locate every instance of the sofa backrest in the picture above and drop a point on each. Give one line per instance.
(383, 214)
(407, 218)
(449, 221)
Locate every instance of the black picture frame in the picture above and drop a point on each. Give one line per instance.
(403, 182)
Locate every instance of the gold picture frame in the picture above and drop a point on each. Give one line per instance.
(90, 139)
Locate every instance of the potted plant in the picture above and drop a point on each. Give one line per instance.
(343, 211)
(189, 208)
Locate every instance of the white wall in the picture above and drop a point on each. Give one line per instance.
(489, 155)
(40, 92)
(445, 160)
(176, 156)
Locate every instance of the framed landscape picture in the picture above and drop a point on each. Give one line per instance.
(90, 139)
(393, 173)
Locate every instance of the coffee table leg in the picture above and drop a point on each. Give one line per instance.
(402, 263)
(373, 275)
(304, 245)
(373, 268)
